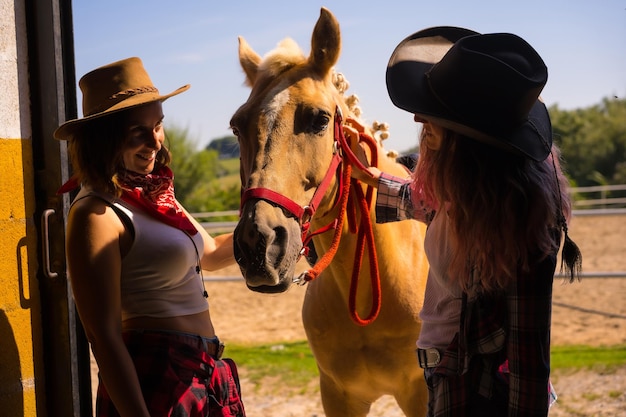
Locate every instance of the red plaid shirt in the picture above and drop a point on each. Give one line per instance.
(508, 328)
(178, 378)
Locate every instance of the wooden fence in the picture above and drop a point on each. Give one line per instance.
(595, 200)
(602, 200)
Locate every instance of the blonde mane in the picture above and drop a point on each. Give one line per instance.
(380, 131)
(286, 55)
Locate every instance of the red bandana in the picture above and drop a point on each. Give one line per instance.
(154, 193)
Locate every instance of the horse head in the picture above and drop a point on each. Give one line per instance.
(286, 135)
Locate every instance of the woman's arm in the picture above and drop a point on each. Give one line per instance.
(222, 254)
(218, 251)
(94, 236)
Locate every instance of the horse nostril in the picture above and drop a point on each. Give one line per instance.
(240, 250)
(276, 250)
(245, 241)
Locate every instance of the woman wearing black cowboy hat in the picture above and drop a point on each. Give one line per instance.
(489, 185)
(135, 258)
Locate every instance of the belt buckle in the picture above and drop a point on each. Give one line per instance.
(219, 351)
(428, 358)
(214, 347)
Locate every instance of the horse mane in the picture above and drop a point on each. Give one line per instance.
(379, 131)
(288, 54)
(285, 56)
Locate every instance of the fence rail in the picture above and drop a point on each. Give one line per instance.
(607, 205)
(599, 197)
(611, 201)
(217, 226)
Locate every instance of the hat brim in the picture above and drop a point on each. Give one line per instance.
(66, 129)
(408, 89)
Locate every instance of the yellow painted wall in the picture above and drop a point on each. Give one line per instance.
(21, 370)
(19, 297)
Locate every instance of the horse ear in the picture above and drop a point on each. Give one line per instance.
(325, 43)
(249, 61)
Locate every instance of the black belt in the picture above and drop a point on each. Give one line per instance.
(211, 345)
(428, 358)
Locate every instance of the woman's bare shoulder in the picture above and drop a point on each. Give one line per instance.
(95, 211)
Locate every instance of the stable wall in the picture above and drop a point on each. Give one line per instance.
(19, 297)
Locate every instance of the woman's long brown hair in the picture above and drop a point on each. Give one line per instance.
(502, 207)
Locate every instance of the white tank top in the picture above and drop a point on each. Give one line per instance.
(159, 277)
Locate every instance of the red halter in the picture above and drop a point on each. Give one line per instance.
(304, 215)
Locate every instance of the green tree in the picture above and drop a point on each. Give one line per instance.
(226, 147)
(593, 141)
(197, 175)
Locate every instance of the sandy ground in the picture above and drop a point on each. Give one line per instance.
(590, 312)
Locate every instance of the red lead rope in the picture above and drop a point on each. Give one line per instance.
(365, 231)
(365, 235)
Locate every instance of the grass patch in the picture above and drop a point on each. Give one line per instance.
(289, 362)
(584, 357)
(226, 182)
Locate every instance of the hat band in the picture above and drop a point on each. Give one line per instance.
(121, 96)
(135, 91)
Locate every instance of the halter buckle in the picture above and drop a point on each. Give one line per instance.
(300, 279)
(307, 213)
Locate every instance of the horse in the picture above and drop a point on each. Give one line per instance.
(293, 171)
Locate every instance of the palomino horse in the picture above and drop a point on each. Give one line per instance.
(288, 131)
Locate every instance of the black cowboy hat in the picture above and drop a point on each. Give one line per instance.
(484, 86)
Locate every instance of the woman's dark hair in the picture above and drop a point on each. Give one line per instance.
(503, 207)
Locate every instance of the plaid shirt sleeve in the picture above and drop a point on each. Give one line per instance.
(394, 202)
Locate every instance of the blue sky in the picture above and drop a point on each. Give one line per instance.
(583, 43)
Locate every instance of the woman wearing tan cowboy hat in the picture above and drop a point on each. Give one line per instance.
(135, 258)
(489, 185)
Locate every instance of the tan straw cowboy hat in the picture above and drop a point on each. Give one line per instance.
(111, 88)
(484, 86)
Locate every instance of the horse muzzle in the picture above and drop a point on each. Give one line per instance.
(267, 246)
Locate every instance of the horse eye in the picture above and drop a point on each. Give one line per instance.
(235, 131)
(320, 122)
